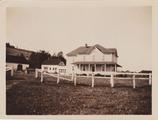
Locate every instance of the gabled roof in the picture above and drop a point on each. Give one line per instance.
(53, 61)
(18, 52)
(16, 59)
(89, 49)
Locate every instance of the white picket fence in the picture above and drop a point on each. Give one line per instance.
(111, 74)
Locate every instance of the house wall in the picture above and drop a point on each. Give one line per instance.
(69, 65)
(110, 68)
(15, 65)
(54, 68)
(114, 58)
(95, 55)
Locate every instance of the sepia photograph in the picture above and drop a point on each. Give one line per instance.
(79, 60)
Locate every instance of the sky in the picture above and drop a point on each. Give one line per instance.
(64, 28)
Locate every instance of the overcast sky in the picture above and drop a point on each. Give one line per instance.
(65, 28)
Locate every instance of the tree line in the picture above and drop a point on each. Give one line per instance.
(37, 58)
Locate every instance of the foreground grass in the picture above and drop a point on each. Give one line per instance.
(30, 97)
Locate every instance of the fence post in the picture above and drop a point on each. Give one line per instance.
(36, 73)
(149, 79)
(112, 80)
(41, 76)
(75, 80)
(26, 71)
(134, 81)
(58, 78)
(72, 77)
(92, 79)
(12, 72)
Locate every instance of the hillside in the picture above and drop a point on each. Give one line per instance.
(18, 52)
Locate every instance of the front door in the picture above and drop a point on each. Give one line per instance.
(93, 68)
(19, 67)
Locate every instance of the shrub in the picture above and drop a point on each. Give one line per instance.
(99, 75)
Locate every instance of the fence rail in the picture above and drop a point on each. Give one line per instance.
(112, 77)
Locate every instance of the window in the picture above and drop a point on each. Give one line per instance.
(45, 68)
(103, 68)
(93, 69)
(83, 67)
(73, 68)
(50, 68)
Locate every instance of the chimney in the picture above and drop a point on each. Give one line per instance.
(86, 45)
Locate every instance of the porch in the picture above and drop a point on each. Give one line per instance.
(100, 67)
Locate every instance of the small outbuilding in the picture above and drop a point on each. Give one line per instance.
(17, 63)
(54, 65)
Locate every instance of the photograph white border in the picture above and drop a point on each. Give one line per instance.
(50, 3)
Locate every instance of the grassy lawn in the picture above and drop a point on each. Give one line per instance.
(30, 97)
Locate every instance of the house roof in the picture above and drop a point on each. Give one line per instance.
(16, 59)
(145, 71)
(18, 52)
(53, 61)
(88, 49)
(19, 49)
(97, 62)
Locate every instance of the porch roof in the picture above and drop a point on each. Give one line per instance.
(97, 62)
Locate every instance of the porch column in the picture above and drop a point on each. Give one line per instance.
(95, 67)
(78, 71)
(89, 67)
(115, 67)
(79, 67)
(105, 67)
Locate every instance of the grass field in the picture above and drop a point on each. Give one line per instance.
(27, 96)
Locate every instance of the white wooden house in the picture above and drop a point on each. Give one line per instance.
(92, 58)
(54, 65)
(17, 59)
(17, 62)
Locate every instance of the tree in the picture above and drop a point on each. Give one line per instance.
(8, 45)
(60, 54)
(54, 55)
(36, 59)
(61, 57)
